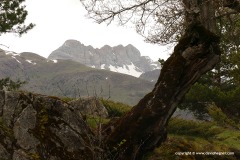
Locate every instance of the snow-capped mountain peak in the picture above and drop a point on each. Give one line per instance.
(122, 59)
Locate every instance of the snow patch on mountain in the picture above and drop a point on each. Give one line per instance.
(12, 53)
(127, 69)
(16, 59)
(102, 66)
(30, 61)
(55, 61)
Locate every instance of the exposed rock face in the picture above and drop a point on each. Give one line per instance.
(40, 127)
(127, 60)
(89, 106)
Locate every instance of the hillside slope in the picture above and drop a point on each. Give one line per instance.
(70, 79)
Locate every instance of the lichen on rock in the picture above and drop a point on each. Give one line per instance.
(37, 127)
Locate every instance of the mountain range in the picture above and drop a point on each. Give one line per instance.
(126, 60)
(68, 78)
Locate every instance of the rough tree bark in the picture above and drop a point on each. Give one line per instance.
(144, 127)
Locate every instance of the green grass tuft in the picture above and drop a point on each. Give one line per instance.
(115, 109)
(193, 128)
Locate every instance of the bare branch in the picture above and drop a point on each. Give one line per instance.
(158, 21)
(143, 14)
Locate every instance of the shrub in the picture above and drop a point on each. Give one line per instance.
(221, 118)
(10, 85)
(67, 99)
(115, 109)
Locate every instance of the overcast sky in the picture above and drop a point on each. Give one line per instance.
(59, 20)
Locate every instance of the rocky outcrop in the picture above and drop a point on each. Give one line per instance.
(37, 127)
(89, 106)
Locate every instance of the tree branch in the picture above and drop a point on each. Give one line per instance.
(112, 13)
(233, 4)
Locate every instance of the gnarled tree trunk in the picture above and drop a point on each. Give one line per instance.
(144, 127)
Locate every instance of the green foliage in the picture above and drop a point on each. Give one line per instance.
(94, 121)
(119, 145)
(12, 17)
(115, 109)
(230, 32)
(230, 138)
(10, 85)
(192, 128)
(161, 61)
(221, 118)
(201, 95)
(67, 99)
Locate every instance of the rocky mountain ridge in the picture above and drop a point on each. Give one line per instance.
(126, 60)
